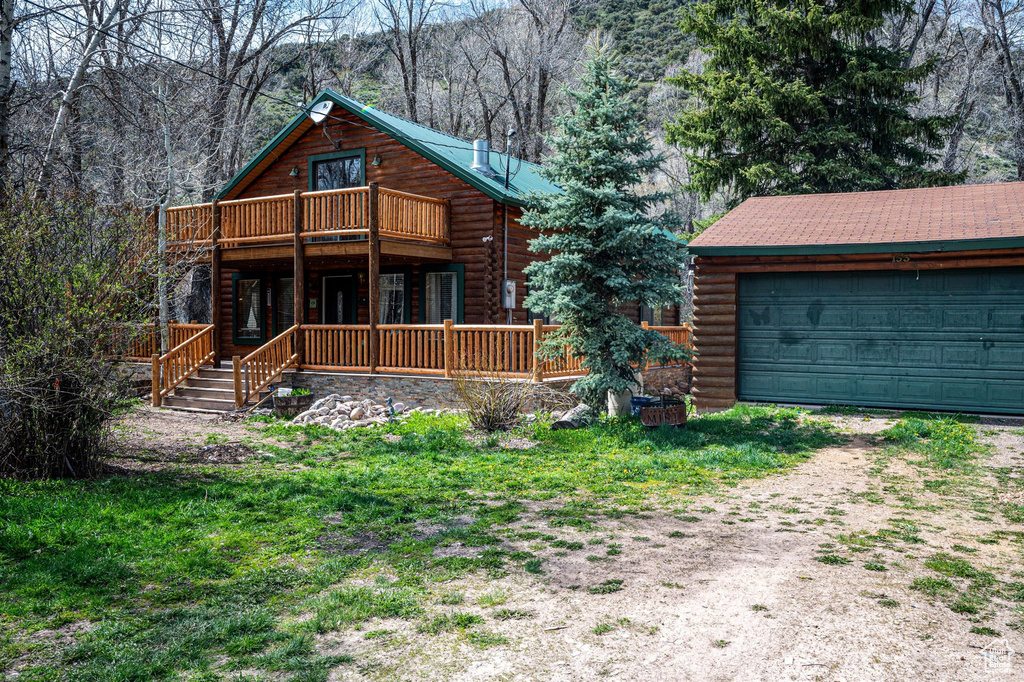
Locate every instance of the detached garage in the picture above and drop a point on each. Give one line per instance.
(905, 299)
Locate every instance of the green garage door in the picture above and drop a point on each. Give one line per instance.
(948, 340)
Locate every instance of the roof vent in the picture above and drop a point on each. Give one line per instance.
(482, 158)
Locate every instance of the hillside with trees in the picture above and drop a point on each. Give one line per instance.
(160, 102)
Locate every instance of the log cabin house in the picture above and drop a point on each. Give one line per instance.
(361, 243)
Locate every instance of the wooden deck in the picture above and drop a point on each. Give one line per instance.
(442, 350)
(327, 223)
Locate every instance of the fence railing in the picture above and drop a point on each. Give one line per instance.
(182, 361)
(343, 347)
(329, 213)
(565, 364)
(258, 369)
(412, 348)
(147, 341)
(446, 349)
(677, 335)
(336, 212)
(257, 221)
(500, 349)
(410, 215)
(188, 226)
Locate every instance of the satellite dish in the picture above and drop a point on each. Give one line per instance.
(319, 112)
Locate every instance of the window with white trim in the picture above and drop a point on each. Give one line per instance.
(442, 296)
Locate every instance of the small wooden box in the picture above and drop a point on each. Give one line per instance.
(663, 411)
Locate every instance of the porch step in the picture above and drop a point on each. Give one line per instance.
(202, 403)
(208, 382)
(209, 390)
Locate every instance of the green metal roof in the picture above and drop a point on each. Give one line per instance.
(451, 153)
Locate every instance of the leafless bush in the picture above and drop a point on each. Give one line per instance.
(496, 402)
(74, 292)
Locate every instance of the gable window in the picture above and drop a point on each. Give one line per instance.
(248, 311)
(337, 170)
(392, 298)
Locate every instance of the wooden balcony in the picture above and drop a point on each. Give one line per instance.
(331, 222)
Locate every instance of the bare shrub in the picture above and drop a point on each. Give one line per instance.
(496, 402)
(75, 291)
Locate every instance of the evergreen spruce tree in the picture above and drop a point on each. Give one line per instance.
(799, 98)
(607, 248)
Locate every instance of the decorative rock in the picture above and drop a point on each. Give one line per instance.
(399, 408)
(573, 419)
(356, 413)
(338, 423)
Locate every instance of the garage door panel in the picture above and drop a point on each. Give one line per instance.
(1006, 320)
(921, 318)
(949, 339)
(1006, 357)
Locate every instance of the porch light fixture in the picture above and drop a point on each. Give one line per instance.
(376, 160)
(294, 172)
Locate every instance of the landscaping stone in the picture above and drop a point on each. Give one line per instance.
(342, 412)
(573, 419)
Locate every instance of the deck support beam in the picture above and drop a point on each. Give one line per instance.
(374, 283)
(299, 281)
(215, 286)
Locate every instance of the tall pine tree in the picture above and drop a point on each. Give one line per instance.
(797, 97)
(607, 247)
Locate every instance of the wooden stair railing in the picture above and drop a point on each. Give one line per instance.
(263, 365)
(182, 361)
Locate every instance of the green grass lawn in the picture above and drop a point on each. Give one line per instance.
(203, 572)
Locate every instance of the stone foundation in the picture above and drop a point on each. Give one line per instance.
(416, 391)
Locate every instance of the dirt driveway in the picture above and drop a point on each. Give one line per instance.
(808, 575)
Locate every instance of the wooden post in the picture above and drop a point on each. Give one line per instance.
(447, 219)
(538, 361)
(215, 292)
(299, 280)
(236, 371)
(449, 349)
(155, 374)
(374, 258)
(647, 364)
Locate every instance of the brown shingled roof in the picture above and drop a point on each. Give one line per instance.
(965, 213)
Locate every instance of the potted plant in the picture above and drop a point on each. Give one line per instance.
(289, 402)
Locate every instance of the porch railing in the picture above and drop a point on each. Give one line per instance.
(258, 369)
(344, 347)
(412, 348)
(147, 343)
(678, 335)
(444, 349)
(189, 225)
(182, 361)
(329, 213)
(256, 221)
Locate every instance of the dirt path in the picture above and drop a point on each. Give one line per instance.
(729, 589)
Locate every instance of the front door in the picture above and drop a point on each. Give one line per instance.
(339, 299)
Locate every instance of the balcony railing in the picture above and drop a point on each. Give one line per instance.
(330, 214)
